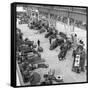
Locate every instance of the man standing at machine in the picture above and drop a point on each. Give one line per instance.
(38, 42)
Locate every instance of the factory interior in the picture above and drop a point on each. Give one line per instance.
(51, 45)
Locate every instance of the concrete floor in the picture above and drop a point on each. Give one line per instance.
(61, 67)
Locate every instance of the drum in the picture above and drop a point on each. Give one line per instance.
(58, 78)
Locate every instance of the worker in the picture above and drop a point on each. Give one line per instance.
(72, 37)
(81, 42)
(75, 38)
(38, 42)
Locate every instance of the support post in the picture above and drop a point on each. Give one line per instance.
(49, 18)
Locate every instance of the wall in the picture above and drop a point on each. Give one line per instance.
(64, 13)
